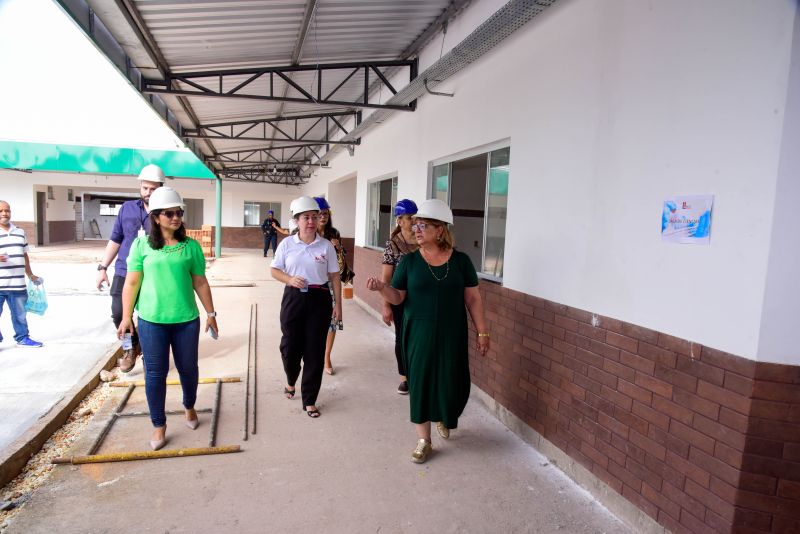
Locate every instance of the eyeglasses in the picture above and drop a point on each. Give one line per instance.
(169, 214)
(421, 226)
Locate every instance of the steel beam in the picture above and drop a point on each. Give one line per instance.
(211, 83)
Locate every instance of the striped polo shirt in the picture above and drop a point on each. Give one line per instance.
(14, 244)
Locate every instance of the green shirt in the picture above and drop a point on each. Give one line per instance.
(166, 294)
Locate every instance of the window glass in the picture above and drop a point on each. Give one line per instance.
(382, 198)
(50, 194)
(109, 209)
(255, 212)
(252, 214)
(441, 182)
(476, 189)
(497, 200)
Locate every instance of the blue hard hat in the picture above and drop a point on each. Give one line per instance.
(322, 203)
(405, 207)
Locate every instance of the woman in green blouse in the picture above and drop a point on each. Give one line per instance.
(165, 270)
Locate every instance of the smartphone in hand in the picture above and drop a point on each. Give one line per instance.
(212, 332)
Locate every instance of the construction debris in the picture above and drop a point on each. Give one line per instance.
(38, 468)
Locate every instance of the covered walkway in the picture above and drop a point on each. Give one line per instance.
(348, 471)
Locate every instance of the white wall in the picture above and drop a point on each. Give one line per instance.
(781, 312)
(611, 107)
(342, 198)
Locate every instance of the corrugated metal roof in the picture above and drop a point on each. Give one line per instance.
(190, 36)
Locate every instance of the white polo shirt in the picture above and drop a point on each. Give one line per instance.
(313, 261)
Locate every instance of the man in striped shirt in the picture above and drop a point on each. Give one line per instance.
(14, 265)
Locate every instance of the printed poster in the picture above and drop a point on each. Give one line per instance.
(687, 219)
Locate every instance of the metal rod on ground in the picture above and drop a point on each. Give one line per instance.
(178, 382)
(103, 433)
(247, 380)
(255, 365)
(212, 440)
(170, 412)
(145, 455)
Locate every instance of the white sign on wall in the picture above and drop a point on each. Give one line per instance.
(687, 219)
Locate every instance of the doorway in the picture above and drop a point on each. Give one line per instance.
(193, 216)
(41, 210)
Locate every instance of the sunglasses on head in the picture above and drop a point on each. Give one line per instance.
(169, 214)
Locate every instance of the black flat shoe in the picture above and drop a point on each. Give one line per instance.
(313, 413)
(289, 393)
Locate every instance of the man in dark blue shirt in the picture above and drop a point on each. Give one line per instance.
(270, 229)
(132, 221)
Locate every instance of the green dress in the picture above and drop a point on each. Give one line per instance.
(435, 335)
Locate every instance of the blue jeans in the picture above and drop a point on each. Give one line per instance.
(156, 340)
(19, 317)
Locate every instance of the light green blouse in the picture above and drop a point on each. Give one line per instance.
(166, 294)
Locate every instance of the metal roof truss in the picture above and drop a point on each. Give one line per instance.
(249, 83)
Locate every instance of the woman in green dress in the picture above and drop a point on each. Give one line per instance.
(437, 285)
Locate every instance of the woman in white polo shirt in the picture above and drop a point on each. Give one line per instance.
(307, 264)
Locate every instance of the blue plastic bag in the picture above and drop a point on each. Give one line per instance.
(37, 298)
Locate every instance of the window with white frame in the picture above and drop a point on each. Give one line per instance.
(476, 188)
(382, 198)
(256, 212)
(110, 208)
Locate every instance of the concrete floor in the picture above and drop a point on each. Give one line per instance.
(76, 330)
(348, 471)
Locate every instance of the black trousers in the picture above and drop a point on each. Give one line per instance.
(116, 305)
(270, 241)
(397, 316)
(304, 323)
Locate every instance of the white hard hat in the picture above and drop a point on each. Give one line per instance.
(152, 173)
(301, 204)
(165, 197)
(435, 209)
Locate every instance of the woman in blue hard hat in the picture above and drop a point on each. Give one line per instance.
(325, 229)
(165, 270)
(306, 263)
(400, 243)
(438, 285)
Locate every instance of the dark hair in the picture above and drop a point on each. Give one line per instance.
(329, 232)
(155, 238)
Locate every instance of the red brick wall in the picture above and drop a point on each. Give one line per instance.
(61, 231)
(30, 230)
(366, 263)
(700, 440)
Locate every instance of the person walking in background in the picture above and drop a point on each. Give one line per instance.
(132, 222)
(14, 266)
(270, 230)
(325, 229)
(306, 263)
(437, 284)
(165, 270)
(400, 243)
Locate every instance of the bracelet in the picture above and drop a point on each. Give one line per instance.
(483, 334)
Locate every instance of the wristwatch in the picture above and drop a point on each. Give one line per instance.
(101, 267)
(212, 314)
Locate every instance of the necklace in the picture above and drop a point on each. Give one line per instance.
(447, 271)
